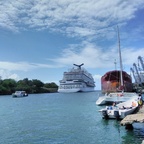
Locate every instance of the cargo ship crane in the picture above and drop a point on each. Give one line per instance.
(136, 81)
(139, 78)
(141, 61)
(141, 70)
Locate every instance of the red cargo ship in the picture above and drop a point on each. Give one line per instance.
(111, 82)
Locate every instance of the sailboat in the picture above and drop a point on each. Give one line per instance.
(116, 80)
(119, 91)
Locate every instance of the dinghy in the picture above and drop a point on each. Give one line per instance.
(119, 111)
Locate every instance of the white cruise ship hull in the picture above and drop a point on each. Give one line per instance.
(86, 89)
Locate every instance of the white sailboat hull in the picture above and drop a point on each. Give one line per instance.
(115, 97)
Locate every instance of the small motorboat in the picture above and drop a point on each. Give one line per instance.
(119, 111)
(19, 94)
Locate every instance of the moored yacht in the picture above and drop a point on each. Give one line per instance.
(77, 80)
(115, 97)
(18, 94)
(121, 110)
(117, 83)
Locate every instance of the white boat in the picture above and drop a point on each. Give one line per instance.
(120, 95)
(115, 97)
(76, 80)
(19, 94)
(120, 110)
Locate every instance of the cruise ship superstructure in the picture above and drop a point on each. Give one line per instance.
(76, 80)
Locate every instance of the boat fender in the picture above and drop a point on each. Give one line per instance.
(116, 114)
(140, 102)
(133, 104)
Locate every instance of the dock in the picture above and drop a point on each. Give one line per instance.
(130, 119)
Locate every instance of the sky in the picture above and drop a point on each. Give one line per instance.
(42, 39)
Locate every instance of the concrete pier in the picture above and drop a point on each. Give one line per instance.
(130, 119)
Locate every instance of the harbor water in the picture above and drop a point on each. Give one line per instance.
(57, 118)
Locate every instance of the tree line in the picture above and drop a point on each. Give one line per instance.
(9, 86)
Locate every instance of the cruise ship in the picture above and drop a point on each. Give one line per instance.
(76, 79)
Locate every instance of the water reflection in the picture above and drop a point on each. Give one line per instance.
(113, 130)
(134, 136)
(124, 136)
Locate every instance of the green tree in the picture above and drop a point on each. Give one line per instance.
(50, 85)
(9, 85)
(37, 86)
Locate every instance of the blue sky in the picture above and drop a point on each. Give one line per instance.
(42, 39)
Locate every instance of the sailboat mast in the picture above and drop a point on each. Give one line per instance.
(115, 64)
(120, 58)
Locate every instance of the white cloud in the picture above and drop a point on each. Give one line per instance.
(87, 19)
(75, 18)
(6, 74)
(95, 57)
(97, 78)
(130, 55)
(90, 54)
(11, 69)
(23, 66)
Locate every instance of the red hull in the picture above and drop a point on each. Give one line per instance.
(110, 82)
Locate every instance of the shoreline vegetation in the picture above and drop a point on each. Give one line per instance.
(9, 86)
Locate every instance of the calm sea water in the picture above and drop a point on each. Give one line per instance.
(61, 119)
